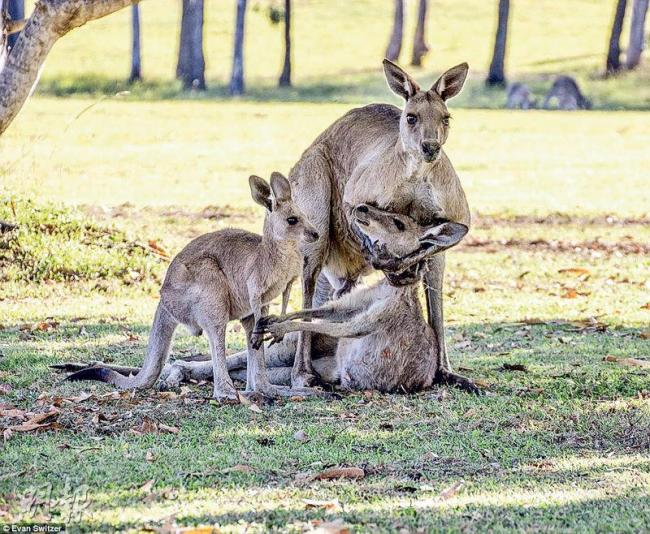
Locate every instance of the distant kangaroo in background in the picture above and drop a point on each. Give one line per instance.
(520, 97)
(222, 276)
(389, 158)
(569, 97)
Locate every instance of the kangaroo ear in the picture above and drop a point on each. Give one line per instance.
(399, 81)
(444, 236)
(451, 82)
(280, 187)
(260, 191)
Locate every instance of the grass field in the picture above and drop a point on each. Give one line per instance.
(554, 277)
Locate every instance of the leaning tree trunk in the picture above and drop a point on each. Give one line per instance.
(191, 62)
(16, 12)
(613, 64)
(136, 57)
(420, 47)
(496, 74)
(237, 77)
(50, 20)
(637, 34)
(395, 43)
(285, 77)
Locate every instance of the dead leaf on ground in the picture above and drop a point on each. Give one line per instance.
(148, 485)
(340, 472)
(255, 408)
(13, 413)
(325, 505)
(150, 457)
(646, 306)
(577, 271)
(166, 428)
(630, 362)
(569, 294)
(167, 395)
(644, 335)
(160, 251)
(452, 490)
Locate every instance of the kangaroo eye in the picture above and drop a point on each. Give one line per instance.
(292, 220)
(411, 119)
(445, 121)
(399, 224)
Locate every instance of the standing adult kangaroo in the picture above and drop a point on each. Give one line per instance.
(388, 158)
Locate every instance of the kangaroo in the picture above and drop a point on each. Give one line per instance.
(222, 276)
(387, 344)
(569, 97)
(389, 158)
(520, 97)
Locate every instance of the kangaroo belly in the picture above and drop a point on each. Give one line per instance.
(389, 361)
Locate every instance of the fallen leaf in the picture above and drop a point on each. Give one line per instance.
(578, 271)
(153, 245)
(167, 395)
(630, 362)
(325, 505)
(646, 306)
(340, 472)
(570, 294)
(301, 436)
(452, 490)
(167, 428)
(148, 485)
(255, 408)
(12, 413)
(150, 456)
(644, 335)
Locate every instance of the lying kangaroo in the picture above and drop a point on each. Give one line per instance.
(569, 97)
(220, 277)
(389, 158)
(520, 97)
(387, 344)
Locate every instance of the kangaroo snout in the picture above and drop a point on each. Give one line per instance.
(430, 150)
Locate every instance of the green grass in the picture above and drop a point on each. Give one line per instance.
(561, 210)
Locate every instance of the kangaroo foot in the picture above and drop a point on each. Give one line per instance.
(225, 393)
(306, 379)
(271, 391)
(459, 381)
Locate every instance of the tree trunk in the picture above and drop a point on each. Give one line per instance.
(136, 60)
(637, 34)
(16, 12)
(420, 47)
(191, 62)
(496, 74)
(4, 22)
(285, 77)
(614, 52)
(50, 20)
(395, 43)
(237, 77)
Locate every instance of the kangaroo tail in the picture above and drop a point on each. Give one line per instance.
(160, 340)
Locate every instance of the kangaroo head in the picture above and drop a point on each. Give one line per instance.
(424, 124)
(284, 219)
(402, 235)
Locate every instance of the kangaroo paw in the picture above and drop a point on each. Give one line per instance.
(459, 381)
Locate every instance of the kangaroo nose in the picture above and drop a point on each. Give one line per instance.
(430, 149)
(312, 235)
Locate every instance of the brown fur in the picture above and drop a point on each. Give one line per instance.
(223, 276)
(568, 95)
(373, 155)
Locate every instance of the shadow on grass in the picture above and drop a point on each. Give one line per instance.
(620, 93)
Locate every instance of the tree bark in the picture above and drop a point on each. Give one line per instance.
(395, 43)
(613, 64)
(285, 77)
(420, 47)
(496, 74)
(191, 61)
(237, 77)
(637, 34)
(136, 56)
(50, 20)
(16, 12)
